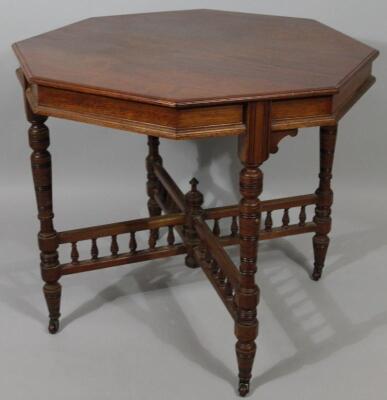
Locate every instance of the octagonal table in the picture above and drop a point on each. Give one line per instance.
(192, 75)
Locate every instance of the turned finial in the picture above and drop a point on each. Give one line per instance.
(194, 198)
(194, 184)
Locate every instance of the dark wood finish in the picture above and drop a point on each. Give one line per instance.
(48, 240)
(85, 71)
(193, 206)
(153, 185)
(206, 46)
(120, 228)
(266, 205)
(138, 117)
(324, 199)
(123, 259)
(212, 244)
(169, 186)
(207, 266)
(277, 136)
(190, 75)
(289, 230)
(254, 150)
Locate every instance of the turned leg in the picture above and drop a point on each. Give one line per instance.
(48, 242)
(246, 328)
(153, 185)
(253, 151)
(324, 199)
(193, 204)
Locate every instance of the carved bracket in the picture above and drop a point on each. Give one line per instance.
(277, 136)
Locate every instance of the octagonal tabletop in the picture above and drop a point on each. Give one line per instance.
(194, 57)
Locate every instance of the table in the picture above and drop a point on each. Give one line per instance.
(192, 75)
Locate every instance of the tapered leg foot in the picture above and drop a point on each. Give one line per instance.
(320, 247)
(245, 354)
(52, 294)
(244, 387)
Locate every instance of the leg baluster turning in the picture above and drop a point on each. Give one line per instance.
(153, 185)
(193, 204)
(325, 199)
(246, 327)
(48, 242)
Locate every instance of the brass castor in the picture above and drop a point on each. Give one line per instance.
(244, 388)
(53, 326)
(316, 276)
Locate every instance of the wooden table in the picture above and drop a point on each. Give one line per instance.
(192, 75)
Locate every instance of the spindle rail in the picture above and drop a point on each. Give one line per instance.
(208, 249)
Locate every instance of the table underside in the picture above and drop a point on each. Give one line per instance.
(209, 253)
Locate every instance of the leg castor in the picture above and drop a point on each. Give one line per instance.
(244, 388)
(316, 276)
(53, 326)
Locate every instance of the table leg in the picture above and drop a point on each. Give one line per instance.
(325, 199)
(48, 243)
(253, 151)
(248, 292)
(153, 184)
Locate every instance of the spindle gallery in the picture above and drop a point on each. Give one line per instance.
(195, 85)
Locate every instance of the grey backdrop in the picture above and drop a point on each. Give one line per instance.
(330, 343)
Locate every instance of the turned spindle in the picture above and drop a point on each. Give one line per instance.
(132, 242)
(94, 249)
(285, 218)
(152, 241)
(114, 246)
(221, 278)
(302, 216)
(171, 236)
(214, 268)
(229, 290)
(268, 222)
(234, 226)
(216, 228)
(74, 253)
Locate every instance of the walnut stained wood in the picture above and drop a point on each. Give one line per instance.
(149, 73)
(191, 75)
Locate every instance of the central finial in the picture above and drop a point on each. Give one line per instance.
(194, 183)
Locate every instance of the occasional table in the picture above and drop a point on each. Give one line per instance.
(190, 75)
